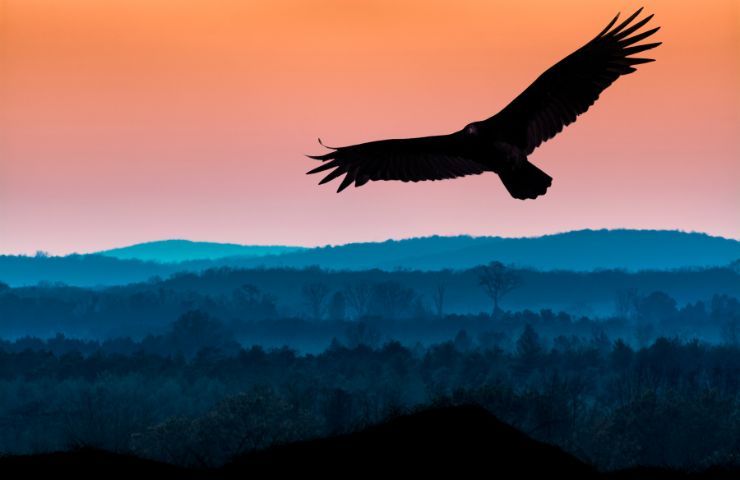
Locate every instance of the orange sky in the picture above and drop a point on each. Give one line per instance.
(131, 120)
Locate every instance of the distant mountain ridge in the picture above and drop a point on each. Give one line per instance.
(579, 250)
(582, 250)
(175, 251)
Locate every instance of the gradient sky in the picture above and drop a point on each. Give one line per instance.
(124, 121)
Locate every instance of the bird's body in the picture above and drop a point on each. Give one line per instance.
(501, 143)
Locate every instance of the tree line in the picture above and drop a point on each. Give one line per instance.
(670, 403)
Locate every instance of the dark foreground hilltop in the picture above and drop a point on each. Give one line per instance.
(465, 442)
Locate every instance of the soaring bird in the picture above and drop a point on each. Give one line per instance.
(501, 143)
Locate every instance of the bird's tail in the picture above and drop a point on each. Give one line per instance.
(523, 180)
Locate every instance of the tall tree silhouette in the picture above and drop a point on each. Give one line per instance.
(497, 280)
(316, 295)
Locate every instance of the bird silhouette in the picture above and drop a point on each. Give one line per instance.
(501, 143)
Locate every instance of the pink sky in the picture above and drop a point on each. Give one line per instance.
(129, 120)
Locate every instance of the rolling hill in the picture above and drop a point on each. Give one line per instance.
(173, 251)
(584, 250)
(462, 442)
(581, 250)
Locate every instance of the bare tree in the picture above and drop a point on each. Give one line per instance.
(316, 294)
(246, 294)
(337, 307)
(626, 303)
(391, 299)
(438, 297)
(731, 331)
(735, 266)
(362, 333)
(357, 297)
(497, 280)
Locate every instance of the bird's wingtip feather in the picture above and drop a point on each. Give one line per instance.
(325, 145)
(621, 26)
(346, 182)
(326, 156)
(609, 25)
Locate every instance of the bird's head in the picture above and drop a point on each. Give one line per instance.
(472, 129)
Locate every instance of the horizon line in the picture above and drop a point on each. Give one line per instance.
(42, 252)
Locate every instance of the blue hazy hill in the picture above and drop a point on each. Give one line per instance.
(582, 250)
(168, 251)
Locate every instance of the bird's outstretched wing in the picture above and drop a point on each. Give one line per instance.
(407, 159)
(571, 86)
